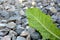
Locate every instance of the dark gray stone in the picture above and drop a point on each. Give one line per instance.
(19, 29)
(35, 35)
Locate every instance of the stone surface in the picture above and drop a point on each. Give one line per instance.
(24, 33)
(20, 38)
(35, 35)
(11, 25)
(6, 38)
(14, 23)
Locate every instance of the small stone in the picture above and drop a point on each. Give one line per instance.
(10, 8)
(45, 4)
(7, 7)
(58, 9)
(3, 21)
(22, 12)
(48, 7)
(6, 38)
(52, 3)
(24, 33)
(14, 18)
(12, 33)
(13, 37)
(20, 38)
(19, 26)
(54, 17)
(58, 2)
(58, 26)
(18, 22)
(30, 30)
(2, 25)
(33, 3)
(35, 35)
(41, 6)
(53, 9)
(28, 37)
(3, 32)
(25, 8)
(21, 1)
(19, 29)
(11, 25)
(44, 10)
(24, 20)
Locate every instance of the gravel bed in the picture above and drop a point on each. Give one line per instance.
(13, 21)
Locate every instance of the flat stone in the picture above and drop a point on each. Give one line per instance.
(12, 33)
(14, 18)
(10, 8)
(53, 9)
(48, 7)
(20, 38)
(11, 25)
(3, 21)
(3, 32)
(24, 33)
(2, 25)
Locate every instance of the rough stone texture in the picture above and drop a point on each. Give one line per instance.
(13, 21)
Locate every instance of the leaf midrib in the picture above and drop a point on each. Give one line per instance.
(44, 26)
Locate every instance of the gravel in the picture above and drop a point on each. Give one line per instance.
(13, 21)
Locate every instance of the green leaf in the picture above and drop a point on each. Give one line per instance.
(43, 23)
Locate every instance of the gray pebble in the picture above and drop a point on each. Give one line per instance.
(53, 9)
(12, 33)
(35, 35)
(2, 25)
(11, 25)
(19, 29)
(30, 30)
(24, 33)
(20, 38)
